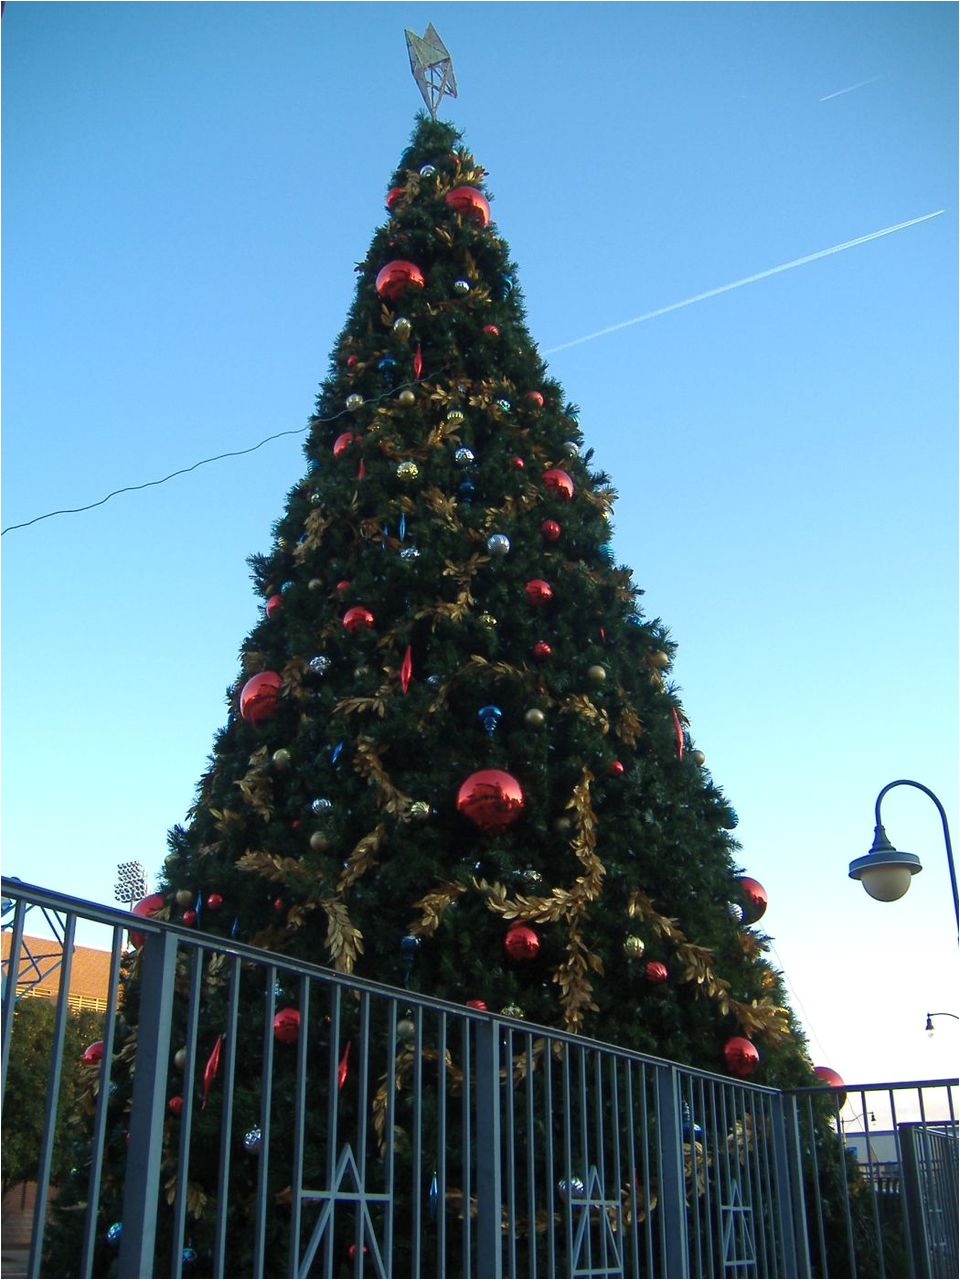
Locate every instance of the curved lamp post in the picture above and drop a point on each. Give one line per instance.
(930, 1017)
(885, 872)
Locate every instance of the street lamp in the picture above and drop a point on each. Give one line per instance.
(930, 1017)
(885, 872)
(131, 883)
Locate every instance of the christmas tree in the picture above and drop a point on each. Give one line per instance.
(455, 761)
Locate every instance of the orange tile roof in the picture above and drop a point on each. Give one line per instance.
(40, 970)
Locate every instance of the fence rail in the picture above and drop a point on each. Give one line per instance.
(386, 1133)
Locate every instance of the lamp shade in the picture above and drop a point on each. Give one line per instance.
(885, 872)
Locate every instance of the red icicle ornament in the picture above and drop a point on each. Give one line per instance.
(417, 362)
(679, 728)
(406, 670)
(211, 1069)
(342, 1067)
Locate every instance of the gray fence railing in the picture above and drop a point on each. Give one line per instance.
(390, 1134)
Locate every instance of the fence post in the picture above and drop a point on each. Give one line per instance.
(489, 1197)
(141, 1190)
(788, 1171)
(673, 1193)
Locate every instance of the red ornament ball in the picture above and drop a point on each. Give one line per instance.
(536, 398)
(393, 195)
(258, 697)
(752, 898)
(538, 592)
(492, 799)
(835, 1081)
(343, 585)
(189, 918)
(491, 330)
(521, 942)
(559, 484)
(616, 769)
(517, 463)
(92, 1053)
(470, 203)
(352, 360)
(273, 604)
(740, 1056)
(656, 972)
(286, 1026)
(148, 906)
(175, 1105)
(397, 277)
(541, 651)
(343, 442)
(357, 619)
(476, 1004)
(550, 530)
(214, 901)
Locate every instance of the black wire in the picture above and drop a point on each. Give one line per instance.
(132, 488)
(234, 453)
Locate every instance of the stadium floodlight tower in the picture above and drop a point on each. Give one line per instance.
(131, 883)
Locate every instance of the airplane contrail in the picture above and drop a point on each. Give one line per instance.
(850, 88)
(738, 284)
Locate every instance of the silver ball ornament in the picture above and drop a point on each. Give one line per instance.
(461, 287)
(498, 544)
(253, 1140)
(354, 402)
(463, 457)
(320, 805)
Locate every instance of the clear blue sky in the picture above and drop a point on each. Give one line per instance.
(186, 189)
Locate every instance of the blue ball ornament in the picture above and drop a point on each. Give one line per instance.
(114, 1232)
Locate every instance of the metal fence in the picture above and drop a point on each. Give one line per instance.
(383, 1133)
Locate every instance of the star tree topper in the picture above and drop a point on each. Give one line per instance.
(432, 67)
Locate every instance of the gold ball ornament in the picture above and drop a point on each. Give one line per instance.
(180, 1059)
(698, 757)
(185, 897)
(420, 810)
(402, 328)
(455, 417)
(512, 1011)
(562, 826)
(406, 1029)
(659, 659)
(596, 674)
(406, 396)
(487, 620)
(534, 718)
(633, 946)
(354, 402)
(315, 584)
(319, 843)
(407, 470)
(282, 758)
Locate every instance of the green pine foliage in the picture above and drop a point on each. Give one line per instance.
(330, 829)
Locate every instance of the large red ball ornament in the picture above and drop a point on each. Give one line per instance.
(258, 697)
(835, 1081)
(397, 277)
(477, 1004)
(655, 972)
(550, 530)
(393, 195)
(559, 484)
(752, 898)
(343, 442)
(286, 1026)
(740, 1056)
(521, 943)
(273, 604)
(535, 398)
(148, 906)
(357, 619)
(471, 203)
(541, 651)
(175, 1105)
(214, 901)
(538, 592)
(92, 1053)
(491, 799)
(616, 768)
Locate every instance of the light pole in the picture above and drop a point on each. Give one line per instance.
(131, 883)
(930, 1017)
(885, 872)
